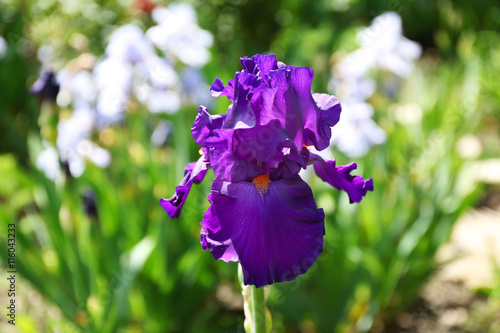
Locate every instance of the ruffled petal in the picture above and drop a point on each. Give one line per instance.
(275, 232)
(340, 177)
(217, 89)
(259, 64)
(239, 113)
(269, 147)
(223, 160)
(329, 115)
(193, 173)
(205, 124)
(242, 154)
(287, 97)
(267, 90)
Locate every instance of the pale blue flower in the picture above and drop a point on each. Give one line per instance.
(48, 162)
(356, 131)
(179, 36)
(3, 47)
(383, 44)
(383, 47)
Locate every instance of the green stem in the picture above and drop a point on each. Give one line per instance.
(258, 310)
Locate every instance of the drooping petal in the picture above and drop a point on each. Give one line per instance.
(340, 177)
(193, 173)
(274, 229)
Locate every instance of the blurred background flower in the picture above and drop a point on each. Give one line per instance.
(3, 47)
(382, 48)
(179, 36)
(107, 130)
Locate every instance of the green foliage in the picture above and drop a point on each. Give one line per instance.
(379, 253)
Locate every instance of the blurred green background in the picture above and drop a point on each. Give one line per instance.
(127, 267)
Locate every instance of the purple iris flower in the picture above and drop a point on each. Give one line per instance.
(46, 87)
(262, 214)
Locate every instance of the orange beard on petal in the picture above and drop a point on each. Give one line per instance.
(261, 183)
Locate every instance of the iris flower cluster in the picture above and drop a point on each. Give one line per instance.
(262, 214)
(132, 66)
(383, 48)
(100, 91)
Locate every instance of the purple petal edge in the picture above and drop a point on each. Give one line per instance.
(340, 177)
(193, 173)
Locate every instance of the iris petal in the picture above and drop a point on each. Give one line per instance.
(276, 235)
(205, 124)
(218, 89)
(259, 64)
(265, 91)
(287, 97)
(340, 177)
(193, 173)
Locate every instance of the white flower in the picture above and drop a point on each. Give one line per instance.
(82, 149)
(156, 84)
(159, 71)
(356, 132)
(132, 67)
(113, 78)
(3, 47)
(74, 146)
(178, 34)
(128, 44)
(113, 72)
(194, 88)
(97, 155)
(357, 88)
(142, 91)
(384, 45)
(354, 66)
(167, 101)
(48, 162)
(111, 106)
(76, 88)
(77, 127)
(161, 132)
